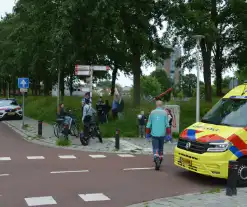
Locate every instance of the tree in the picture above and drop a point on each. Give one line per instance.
(164, 82)
(188, 84)
(150, 86)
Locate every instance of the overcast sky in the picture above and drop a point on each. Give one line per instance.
(7, 6)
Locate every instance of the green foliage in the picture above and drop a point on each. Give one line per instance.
(164, 82)
(44, 108)
(188, 84)
(63, 142)
(150, 86)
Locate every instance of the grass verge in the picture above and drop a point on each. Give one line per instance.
(44, 108)
(63, 142)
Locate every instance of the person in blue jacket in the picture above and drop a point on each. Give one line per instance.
(156, 128)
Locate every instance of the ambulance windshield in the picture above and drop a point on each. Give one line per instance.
(228, 112)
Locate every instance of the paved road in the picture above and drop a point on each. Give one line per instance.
(29, 181)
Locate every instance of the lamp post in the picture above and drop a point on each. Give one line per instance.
(198, 40)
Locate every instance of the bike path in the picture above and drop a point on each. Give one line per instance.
(77, 179)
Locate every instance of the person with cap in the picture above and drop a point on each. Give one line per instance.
(156, 129)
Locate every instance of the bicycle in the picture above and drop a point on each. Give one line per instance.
(59, 127)
(93, 131)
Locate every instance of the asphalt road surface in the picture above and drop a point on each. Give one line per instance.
(34, 175)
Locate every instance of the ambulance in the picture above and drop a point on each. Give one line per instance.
(206, 147)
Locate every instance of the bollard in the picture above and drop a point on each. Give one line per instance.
(117, 139)
(40, 128)
(66, 131)
(231, 188)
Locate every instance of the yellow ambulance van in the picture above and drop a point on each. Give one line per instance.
(207, 146)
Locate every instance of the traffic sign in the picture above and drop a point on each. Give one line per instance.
(85, 69)
(23, 83)
(83, 73)
(23, 90)
(101, 68)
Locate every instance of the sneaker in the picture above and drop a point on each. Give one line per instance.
(157, 163)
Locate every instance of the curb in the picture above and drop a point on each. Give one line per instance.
(29, 137)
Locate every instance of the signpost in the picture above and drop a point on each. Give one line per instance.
(87, 70)
(23, 85)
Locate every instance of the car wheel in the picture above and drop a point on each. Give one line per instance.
(242, 173)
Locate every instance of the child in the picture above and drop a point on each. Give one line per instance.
(142, 122)
(168, 130)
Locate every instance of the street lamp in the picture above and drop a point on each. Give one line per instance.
(198, 40)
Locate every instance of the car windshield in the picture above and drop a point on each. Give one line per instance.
(228, 112)
(4, 103)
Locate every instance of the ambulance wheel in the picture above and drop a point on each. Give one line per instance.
(242, 173)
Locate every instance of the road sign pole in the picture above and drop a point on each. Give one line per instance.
(91, 83)
(23, 109)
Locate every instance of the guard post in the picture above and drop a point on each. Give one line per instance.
(117, 141)
(231, 188)
(40, 128)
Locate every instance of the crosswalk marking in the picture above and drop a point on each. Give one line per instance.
(5, 158)
(94, 197)
(4, 175)
(40, 201)
(67, 157)
(140, 168)
(72, 171)
(35, 157)
(97, 156)
(125, 155)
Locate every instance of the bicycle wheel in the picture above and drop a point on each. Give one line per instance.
(56, 130)
(74, 130)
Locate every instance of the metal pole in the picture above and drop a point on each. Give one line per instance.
(23, 109)
(58, 89)
(91, 82)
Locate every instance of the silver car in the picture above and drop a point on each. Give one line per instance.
(9, 108)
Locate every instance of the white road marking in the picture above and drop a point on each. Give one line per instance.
(97, 156)
(40, 201)
(144, 168)
(35, 157)
(94, 197)
(67, 157)
(72, 171)
(5, 158)
(4, 175)
(125, 155)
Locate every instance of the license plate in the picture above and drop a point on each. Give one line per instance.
(185, 161)
(11, 113)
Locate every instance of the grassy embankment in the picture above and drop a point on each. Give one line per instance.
(44, 108)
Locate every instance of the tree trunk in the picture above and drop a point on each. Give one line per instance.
(206, 57)
(113, 80)
(62, 86)
(218, 68)
(71, 85)
(136, 68)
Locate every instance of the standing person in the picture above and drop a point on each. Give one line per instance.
(169, 129)
(156, 128)
(106, 109)
(142, 122)
(86, 97)
(114, 109)
(100, 110)
(120, 108)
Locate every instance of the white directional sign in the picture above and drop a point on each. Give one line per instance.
(23, 90)
(84, 70)
(101, 68)
(83, 73)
